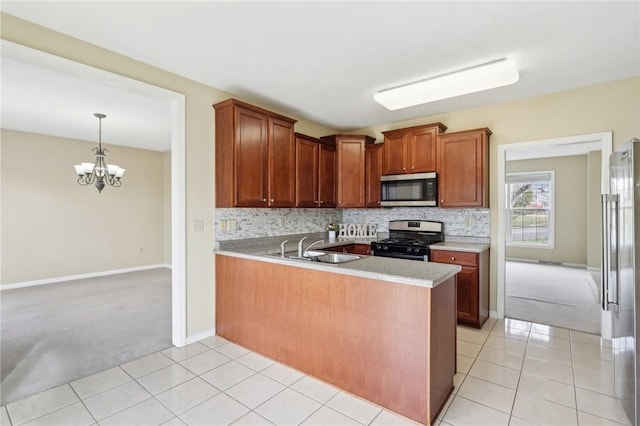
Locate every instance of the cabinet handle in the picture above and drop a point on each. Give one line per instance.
(321, 202)
(272, 200)
(264, 200)
(404, 168)
(453, 258)
(339, 202)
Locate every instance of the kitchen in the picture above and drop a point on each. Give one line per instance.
(511, 122)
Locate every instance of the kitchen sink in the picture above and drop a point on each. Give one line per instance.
(337, 257)
(320, 256)
(313, 253)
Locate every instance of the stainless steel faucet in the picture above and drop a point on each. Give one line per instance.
(282, 244)
(300, 246)
(311, 245)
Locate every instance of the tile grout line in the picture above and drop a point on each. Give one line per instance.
(524, 356)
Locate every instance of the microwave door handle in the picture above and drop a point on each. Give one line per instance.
(610, 250)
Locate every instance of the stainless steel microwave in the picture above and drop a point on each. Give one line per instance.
(410, 190)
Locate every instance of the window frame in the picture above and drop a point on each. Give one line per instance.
(552, 210)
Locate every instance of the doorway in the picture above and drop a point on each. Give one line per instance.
(561, 147)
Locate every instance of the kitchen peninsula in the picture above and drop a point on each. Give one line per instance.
(383, 329)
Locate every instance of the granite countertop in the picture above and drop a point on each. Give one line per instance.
(423, 274)
(454, 246)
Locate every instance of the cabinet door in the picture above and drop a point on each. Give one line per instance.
(250, 159)
(364, 249)
(351, 169)
(467, 294)
(281, 163)
(395, 153)
(347, 248)
(327, 175)
(306, 173)
(463, 169)
(373, 162)
(422, 150)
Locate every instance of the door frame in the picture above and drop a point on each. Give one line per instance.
(178, 154)
(606, 143)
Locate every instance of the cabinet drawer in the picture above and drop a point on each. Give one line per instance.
(456, 257)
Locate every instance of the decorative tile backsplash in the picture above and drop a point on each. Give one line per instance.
(473, 225)
(252, 223)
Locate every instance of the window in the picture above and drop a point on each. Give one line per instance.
(530, 209)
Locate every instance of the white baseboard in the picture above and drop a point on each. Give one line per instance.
(537, 261)
(200, 335)
(81, 276)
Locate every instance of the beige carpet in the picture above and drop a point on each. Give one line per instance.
(54, 334)
(554, 295)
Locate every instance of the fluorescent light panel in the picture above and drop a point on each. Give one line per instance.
(494, 74)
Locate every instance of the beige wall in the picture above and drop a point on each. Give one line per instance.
(594, 216)
(199, 129)
(166, 159)
(570, 206)
(53, 227)
(604, 107)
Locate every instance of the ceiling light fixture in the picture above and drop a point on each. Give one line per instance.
(469, 80)
(99, 172)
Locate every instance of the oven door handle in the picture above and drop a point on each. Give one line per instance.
(424, 258)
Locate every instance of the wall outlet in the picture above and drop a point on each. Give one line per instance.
(281, 222)
(232, 225)
(469, 222)
(223, 225)
(197, 226)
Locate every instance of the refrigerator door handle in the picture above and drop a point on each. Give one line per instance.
(610, 245)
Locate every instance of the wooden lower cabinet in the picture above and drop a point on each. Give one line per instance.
(363, 249)
(393, 344)
(472, 286)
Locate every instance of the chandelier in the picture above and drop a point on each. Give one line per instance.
(99, 172)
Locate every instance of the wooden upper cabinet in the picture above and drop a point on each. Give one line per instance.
(411, 150)
(373, 172)
(350, 168)
(327, 175)
(282, 157)
(315, 172)
(250, 155)
(463, 168)
(306, 171)
(396, 151)
(255, 156)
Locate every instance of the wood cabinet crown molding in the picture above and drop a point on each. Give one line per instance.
(441, 128)
(236, 102)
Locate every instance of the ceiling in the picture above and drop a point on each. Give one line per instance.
(323, 61)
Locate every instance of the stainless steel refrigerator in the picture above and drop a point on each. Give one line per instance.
(621, 270)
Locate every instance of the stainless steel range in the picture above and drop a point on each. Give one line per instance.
(409, 239)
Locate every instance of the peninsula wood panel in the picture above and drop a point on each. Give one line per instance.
(372, 338)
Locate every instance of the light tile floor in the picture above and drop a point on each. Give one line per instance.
(510, 373)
